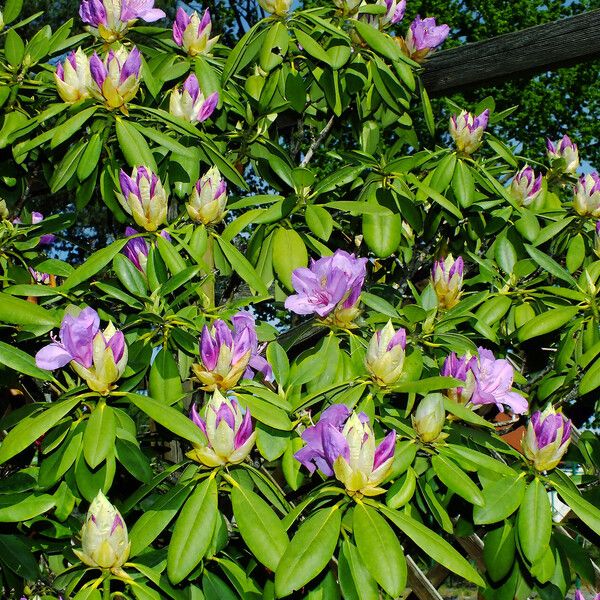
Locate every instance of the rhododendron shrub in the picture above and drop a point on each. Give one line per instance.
(317, 352)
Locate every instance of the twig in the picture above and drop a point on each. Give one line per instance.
(309, 154)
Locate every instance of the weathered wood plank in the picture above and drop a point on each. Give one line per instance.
(543, 47)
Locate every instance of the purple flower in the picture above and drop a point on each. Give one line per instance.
(447, 280)
(343, 443)
(110, 19)
(467, 130)
(136, 250)
(115, 81)
(191, 104)
(143, 197)
(525, 186)
(493, 383)
(227, 355)
(98, 357)
(566, 151)
(460, 368)
(395, 11)
(547, 438)
(332, 284)
(228, 431)
(192, 33)
(424, 36)
(42, 278)
(586, 201)
(47, 238)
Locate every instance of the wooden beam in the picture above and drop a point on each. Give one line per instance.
(540, 48)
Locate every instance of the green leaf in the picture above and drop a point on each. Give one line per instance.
(11, 11)
(356, 582)
(435, 196)
(133, 145)
(465, 413)
(550, 265)
(311, 47)
(129, 275)
(18, 557)
(591, 379)
(164, 381)
(585, 510)
(14, 48)
(90, 157)
(99, 436)
(193, 531)
(71, 126)
(169, 254)
(455, 479)
(433, 545)
(133, 459)
(319, 221)
(289, 253)
(242, 267)
(463, 184)
(548, 321)
(309, 551)
(262, 531)
(274, 47)
(380, 549)
(154, 519)
(29, 507)
(22, 362)
(168, 417)
(33, 427)
(534, 522)
(277, 358)
(266, 413)
(379, 41)
(575, 253)
(502, 498)
(67, 167)
(97, 261)
(499, 551)
(478, 460)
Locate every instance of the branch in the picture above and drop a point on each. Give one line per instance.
(317, 142)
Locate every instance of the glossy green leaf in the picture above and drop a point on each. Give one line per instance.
(193, 531)
(502, 498)
(309, 551)
(379, 549)
(133, 145)
(456, 480)
(259, 526)
(546, 322)
(534, 521)
(164, 381)
(99, 436)
(20, 361)
(289, 253)
(242, 267)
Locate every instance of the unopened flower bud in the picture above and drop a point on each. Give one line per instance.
(104, 540)
(228, 431)
(429, 418)
(467, 130)
(73, 77)
(190, 103)
(192, 33)
(276, 7)
(547, 438)
(566, 151)
(586, 201)
(385, 355)
(447, 280)
(208, 199)
(525, 186)
(143, 197)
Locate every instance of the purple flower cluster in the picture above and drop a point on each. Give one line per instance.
(228, 355)
(424, 36)
(332, 283)
(487, 381)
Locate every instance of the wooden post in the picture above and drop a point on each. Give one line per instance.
(520, 53)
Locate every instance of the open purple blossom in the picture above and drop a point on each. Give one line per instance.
(190, 103)
(586, 200)
(110, 19)
(192, 33)
(493, 383)
(332, 283)
(566, 150)
(116, 79)
(424, 36)
(487, 381)
(227, 355)
(228, 431)
(547, 438)
(525, 186)
(467, 130)
(343, 443)
(98, 357)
